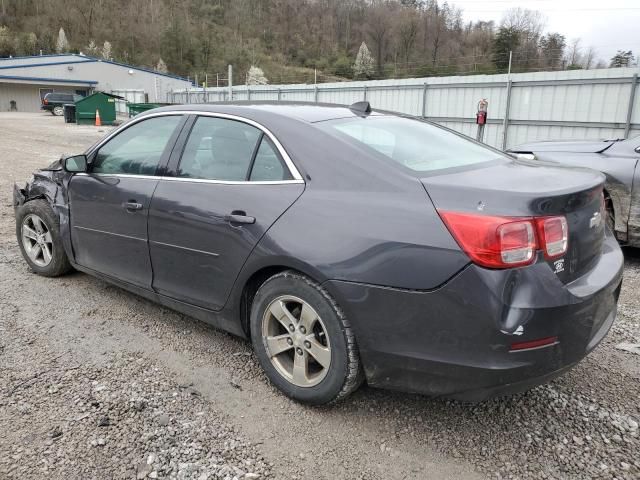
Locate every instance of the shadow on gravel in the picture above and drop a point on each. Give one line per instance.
(631, 255)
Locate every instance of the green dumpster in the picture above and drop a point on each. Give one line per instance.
(136, 108)
(103, 102)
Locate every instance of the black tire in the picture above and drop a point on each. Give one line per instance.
(57, 111)
(344, 375)
(59, 264)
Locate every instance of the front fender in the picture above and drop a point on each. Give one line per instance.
(48, 185)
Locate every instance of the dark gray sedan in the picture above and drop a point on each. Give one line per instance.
(618, 160)
(346, 244)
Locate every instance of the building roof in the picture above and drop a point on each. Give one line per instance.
(75, 58)
(45, 80)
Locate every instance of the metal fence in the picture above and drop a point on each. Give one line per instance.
(522, 107)
(130, 96)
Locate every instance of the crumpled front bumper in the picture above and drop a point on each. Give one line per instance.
(19, 196)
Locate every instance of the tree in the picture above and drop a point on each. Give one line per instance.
(574, 55)
(589, 57)
(528, 24)
(364, 62)
(552, 47)
(62, 44)
(161, 66)
(622, 59)
(507, 39)
(379, 31)
(255, 76)
(407, 30)
(92, 49)
(106, 50)
(6, 42)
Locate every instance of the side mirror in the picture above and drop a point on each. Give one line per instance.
(75, 164)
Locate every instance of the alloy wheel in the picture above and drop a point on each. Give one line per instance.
(296, 341)
(37, 240)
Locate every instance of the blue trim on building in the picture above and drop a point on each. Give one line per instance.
(46, 64)
(50, 80)
(48, 55)
(87, 59)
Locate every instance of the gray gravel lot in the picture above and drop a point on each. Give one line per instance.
(98, 383)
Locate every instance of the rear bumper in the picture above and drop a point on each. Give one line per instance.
(455, 341)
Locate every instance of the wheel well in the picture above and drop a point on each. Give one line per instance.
(609, 200)
(249, 292)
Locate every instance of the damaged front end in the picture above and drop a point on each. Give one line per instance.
(47, 183)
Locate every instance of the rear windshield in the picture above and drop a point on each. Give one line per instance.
(420, 146)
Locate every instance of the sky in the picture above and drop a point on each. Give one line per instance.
(608, 26)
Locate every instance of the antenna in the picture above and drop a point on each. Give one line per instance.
(361, 107)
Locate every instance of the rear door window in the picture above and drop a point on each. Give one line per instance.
(219, 149)
(268, 164)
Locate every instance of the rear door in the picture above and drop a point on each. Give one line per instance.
(109, 205)
(231, 182)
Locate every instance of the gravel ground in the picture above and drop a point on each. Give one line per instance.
(98, 383)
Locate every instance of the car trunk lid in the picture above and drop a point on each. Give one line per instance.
(531, 189)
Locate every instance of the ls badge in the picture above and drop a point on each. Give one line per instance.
(595, 220)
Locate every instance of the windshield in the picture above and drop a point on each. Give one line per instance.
(416, 145)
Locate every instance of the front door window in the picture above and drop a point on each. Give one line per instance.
(138, 149)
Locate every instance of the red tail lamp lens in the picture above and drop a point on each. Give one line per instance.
(494, 242)
(503, 242)
(554, 235)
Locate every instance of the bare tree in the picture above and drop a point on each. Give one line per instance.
(589, 57)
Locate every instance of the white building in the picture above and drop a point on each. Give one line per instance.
(25, 80)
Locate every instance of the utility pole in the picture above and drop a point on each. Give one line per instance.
(505, 121)
(217, 80)
(315, 76)
(230, 82)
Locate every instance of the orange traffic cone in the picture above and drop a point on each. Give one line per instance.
(98, 121)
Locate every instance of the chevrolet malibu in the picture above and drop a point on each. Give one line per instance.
(346, 244)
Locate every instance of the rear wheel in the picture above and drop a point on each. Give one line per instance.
(38, 233)
(303, 340)
(57, 111)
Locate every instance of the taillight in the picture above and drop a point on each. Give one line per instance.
(554, 235)
(45, 102)
(504, 242)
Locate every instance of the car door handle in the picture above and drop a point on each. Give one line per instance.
(132, 205)
(238, 216)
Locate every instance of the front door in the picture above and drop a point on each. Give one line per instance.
(230, 186)
(109, 205)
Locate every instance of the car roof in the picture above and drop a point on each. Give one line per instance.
(304, 111)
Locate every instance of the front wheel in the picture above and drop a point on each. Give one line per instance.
(303, 340)
(38, 233)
